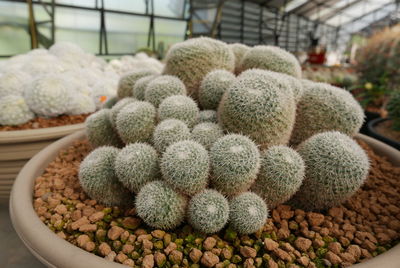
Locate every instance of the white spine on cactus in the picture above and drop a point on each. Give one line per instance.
(13, 82)
(168, 132)
(14, 110)
(179, 107)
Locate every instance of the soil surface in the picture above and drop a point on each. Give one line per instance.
(366, 225)
(385, 129)
(41, 122)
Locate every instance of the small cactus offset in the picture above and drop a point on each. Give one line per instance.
(179, 107)
(208, 211)
(14, 110)
(273, 59)
(100, 131)
(98, 179)
(247, 213)
(136, 122)
(207, 133)
(168, 132)
(127, 82)
(326, 108)
(258, 105)
(160, 206)
(336, 167)
(162, 87)
(140, 86)
(185, 166)
(137, 164)
(193, 59)
(213, 86)
(238, 50)
(235, 161)
(208, 116)
(280, 176)
(118, 107)
(393, 108)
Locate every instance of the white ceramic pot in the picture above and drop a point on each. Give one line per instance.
(17, 147)
(56, 252)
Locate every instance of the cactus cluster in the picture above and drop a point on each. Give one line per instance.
(14, 110)
(238, 50)
(126, 83)
(227, 164)
(393, 108)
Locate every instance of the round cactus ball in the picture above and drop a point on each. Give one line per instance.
(235, 161)
(207, 133)
(14, 111)
(170, 131)
(98, 179)
(127, 81)
(137, 164)
(159, 206)
(140, 86)
(179, 107)
(247, 213)
(208, 211)
(280, 176)
(208, 116)
(162, 87)
(185, 166)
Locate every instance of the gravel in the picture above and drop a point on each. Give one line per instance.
(366, 225)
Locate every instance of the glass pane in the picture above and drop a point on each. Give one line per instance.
(169, 8)
(137, 6)
(168, 32)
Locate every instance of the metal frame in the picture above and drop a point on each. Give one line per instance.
(99, 7)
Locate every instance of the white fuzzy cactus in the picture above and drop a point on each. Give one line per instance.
(13, 82)
(14, 111)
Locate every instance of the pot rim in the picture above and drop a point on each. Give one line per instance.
(54, 251)
(371, 129)
(28, 135)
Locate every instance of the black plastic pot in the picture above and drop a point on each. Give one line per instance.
(371, 132)
(369, 116)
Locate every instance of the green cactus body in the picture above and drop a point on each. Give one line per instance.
(336, 167)
(271, 58)
(98, 179)
(393, 108)
(326, 108)
(247, 213)
(169, 131)
(235, 161)
(162, 87)
(208, 211)
(127, 82)
(136, 165)
(260, 106)
(136, 122)
(100, 131)
(192, 59)
(208, 116)
(48, 95)
(117, 108)
(238, 50)
(185, 166)
(179, 107)
(207, 133)
(213, 86)
(140, 86)
(280, 176)
(14, 110)
(160, 206)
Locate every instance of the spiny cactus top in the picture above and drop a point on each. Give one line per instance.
(192, 59)
(280, 176)
(213, 86)
(168, 132)
(140, 86)
(208, 116)
(207, 133)
(271, 58)
(118, 107)
(393, 108)
(260, 106)
(48, 95)
(179, 107)
(162, 87)
(185, 166)
(98, 179)
(14, 110)
(336, 167)
(247, 213)
(208, 211)
(326, 108)
(160, 206)
(127, 81)
(235, 161)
